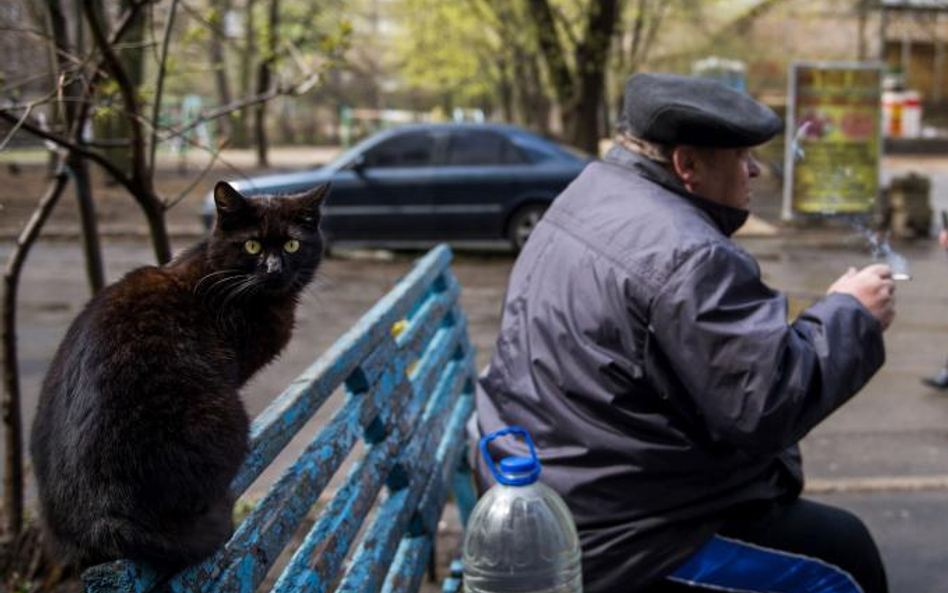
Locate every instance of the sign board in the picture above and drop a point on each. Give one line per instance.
(833, 138)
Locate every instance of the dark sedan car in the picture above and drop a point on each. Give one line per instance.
(434, 182)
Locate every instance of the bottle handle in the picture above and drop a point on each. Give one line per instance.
(516, 430)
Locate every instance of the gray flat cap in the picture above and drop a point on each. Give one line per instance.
(673, 109)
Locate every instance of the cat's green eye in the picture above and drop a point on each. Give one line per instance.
(252, 247)
(291, 246)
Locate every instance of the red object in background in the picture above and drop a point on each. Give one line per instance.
(858, 125)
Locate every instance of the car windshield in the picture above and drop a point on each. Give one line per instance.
(347, 156)
(541, 149)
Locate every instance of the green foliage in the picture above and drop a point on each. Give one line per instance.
(194, 35)
(103, 112)
(214, 17)
(108, 88)
(444, 48)
(21, 585)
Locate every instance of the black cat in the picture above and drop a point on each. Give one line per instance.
(140, 428)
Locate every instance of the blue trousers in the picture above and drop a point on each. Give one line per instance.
(796, 546)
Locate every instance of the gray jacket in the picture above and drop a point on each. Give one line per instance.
(657, 373)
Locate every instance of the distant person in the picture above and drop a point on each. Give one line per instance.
(663, 385)
(940, 380)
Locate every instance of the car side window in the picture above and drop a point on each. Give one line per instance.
(476, 147)
(412, 149)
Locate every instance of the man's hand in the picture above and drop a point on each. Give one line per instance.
(873, 287)
(943, 238)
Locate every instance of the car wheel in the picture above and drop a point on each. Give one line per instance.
(522, 224)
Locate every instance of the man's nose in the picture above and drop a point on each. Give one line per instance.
(753, 167)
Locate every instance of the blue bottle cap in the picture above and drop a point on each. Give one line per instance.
(514, 470)
(519, 471)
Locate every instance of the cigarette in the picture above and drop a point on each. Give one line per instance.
(901, 276)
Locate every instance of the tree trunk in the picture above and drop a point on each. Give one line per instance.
(505, 91)
(552, 50)
(12, 423)
(581, 117)
(579, 91)
(535, 103)
(248, 59)
(116, 125)
(154, 212)
(263, 83)
(260, 117)
(219, 64)
(91, 245)
(74, 120)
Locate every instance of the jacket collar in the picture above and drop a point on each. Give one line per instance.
(727, 219)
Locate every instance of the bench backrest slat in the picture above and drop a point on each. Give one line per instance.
(409, 566)
(318, 560)
(268, 528)
(407, 370)
(375, 553)
(283, 418)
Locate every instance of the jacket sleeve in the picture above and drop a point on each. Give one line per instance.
(755, 380)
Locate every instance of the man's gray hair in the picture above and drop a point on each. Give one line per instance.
(660, 153)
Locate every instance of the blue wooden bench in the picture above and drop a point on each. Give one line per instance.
(407, 369)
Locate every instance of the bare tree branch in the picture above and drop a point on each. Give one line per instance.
(200, 16)
(169, 204)
(16, 127)
(117, 174)
(126, 88)
(160, 84)
(295, 89)
(13, 433)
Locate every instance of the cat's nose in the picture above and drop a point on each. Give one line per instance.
(274, 264)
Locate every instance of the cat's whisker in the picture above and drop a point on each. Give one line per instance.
(223, 294)
(238, 291)
(222, 287)
(197, 285)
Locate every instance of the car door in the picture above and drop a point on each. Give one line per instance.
(473, 190)
(385, 193)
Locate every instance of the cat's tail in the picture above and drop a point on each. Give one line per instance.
(167, 547)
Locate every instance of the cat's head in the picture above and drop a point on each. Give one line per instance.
(272, 243)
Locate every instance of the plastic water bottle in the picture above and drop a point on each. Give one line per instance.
(521, 537)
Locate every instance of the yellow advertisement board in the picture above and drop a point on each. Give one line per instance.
(833, 138)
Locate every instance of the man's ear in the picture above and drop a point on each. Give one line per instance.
(685, 162)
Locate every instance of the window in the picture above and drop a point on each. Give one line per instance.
(482, 148)
(413, 149)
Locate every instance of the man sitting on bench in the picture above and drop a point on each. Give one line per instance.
(661, 381)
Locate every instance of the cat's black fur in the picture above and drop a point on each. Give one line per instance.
(140, 428)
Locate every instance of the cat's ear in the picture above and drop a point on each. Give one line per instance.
(231, 204)
(314, 198)
(312, 202)
(227, 199)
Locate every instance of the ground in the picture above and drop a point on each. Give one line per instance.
(883, 455)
